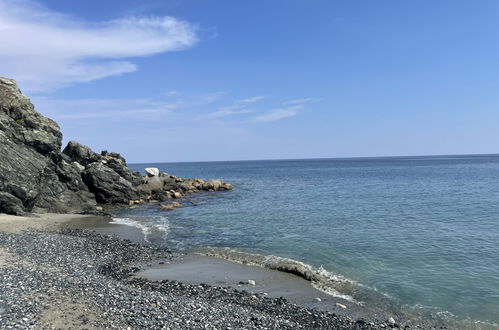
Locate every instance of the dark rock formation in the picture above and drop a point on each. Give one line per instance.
(107, 185)
(35, 176)
(106, 175)
(81, 154)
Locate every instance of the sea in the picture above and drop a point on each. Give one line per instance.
(418, 236)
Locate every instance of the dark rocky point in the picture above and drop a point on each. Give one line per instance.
(35, 176)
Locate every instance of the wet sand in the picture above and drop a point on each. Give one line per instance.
(198, 269)
(47, 221)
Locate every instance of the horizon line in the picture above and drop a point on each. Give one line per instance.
(312, 158)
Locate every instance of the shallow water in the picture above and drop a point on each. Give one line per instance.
(415, 234)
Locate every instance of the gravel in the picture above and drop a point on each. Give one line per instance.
(74, 278)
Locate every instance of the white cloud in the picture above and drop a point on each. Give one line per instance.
(249, 100)
(227, 111)
(277, 114)
(299, 101)
(172, 93)
(44, 50)
(208, 98)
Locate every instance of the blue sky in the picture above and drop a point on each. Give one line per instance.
(192, 80)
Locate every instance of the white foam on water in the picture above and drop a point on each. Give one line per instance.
(147, 229)
(320, 278)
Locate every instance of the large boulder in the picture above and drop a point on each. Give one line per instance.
(152, 171)
(107, 185)
(152, 185)
(118, 165)
(81, 154)
(34, 175)
(10, 204)
(85, 156)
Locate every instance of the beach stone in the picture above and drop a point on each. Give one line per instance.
(391, 321)
(341, 306)
(251, 282)
(318, 299)
(151, 185)
(152, 171)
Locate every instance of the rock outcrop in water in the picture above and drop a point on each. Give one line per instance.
(35, 176)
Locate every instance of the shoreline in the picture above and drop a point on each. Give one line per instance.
(198, 269)
(53, 246)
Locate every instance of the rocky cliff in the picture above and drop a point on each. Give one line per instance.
(36, 176)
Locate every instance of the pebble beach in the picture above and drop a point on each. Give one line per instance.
(73, 278)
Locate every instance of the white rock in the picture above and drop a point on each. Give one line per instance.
(251, 282)
(152, 171)
(391, 321)
(79, 166)
(318, 299)
(341, 306)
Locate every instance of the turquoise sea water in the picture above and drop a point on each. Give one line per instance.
(416, 234)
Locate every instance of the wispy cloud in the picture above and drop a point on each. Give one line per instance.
(236, 108)
(172, 93)
(46, 50)
(115, 109)
(249, 100)
(300, 101)
(277, 114)
(208, 98)
(222, 112)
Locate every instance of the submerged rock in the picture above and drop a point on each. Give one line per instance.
(170, 206)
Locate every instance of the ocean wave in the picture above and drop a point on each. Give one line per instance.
(146, 228)
(320, 278)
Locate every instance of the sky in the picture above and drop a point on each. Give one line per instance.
(194, 80)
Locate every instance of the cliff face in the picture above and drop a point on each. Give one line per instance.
(35, 176)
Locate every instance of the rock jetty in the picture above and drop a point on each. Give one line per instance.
(36, 176)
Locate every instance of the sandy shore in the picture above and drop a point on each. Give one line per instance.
(199, 269)
(48, 221)
(54, 276)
